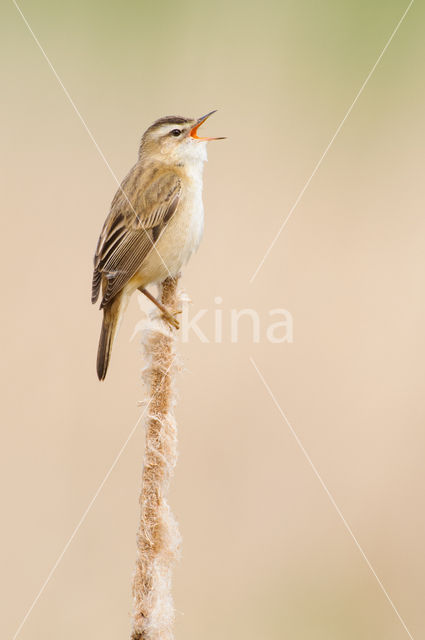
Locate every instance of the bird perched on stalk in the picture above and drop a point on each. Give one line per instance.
(154, 225)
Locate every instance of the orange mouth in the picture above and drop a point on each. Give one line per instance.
(194, 130)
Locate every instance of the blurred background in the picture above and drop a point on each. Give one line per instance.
(265, 554)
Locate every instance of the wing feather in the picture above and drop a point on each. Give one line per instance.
(122, 266)
(139, 214)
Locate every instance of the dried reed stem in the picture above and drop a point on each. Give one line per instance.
(158, 537)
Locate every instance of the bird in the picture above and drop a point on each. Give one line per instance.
(154, 225)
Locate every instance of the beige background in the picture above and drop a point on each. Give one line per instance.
(265, 554)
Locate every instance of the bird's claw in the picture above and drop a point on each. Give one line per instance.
(171, 318)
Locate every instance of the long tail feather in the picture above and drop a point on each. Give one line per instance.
(111, 316)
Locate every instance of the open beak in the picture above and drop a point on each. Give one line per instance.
(194, 133)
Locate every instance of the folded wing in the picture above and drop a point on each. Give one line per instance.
(139, 214)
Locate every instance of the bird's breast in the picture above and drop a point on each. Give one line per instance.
(193, 213)
(183, 233)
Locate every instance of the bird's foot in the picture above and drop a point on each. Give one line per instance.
(170, 318)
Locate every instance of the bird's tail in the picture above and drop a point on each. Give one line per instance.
(111, 318)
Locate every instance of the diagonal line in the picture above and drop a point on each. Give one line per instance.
(89, 506)
(322, 157)
(86, 127)
(328, 493)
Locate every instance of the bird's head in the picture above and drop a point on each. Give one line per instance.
(175, 140)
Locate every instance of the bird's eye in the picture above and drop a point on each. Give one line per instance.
(175, 132)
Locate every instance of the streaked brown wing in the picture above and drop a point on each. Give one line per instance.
(131, 230)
